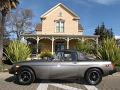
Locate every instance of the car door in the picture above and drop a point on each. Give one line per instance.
(43, 69)
(65, 67)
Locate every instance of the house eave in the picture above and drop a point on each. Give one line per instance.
(60, 4)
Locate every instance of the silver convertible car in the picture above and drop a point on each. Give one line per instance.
(66, 64)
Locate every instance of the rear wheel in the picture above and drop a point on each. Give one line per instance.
(93, 76)
(25, 76)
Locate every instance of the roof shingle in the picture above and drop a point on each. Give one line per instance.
(80, 28)
(38, 27)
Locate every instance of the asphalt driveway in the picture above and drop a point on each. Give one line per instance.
(111, 82)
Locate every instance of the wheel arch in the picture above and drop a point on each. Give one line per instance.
(25, 66)
(94, 68)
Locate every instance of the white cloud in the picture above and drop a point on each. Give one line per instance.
(117, 37)
(105, 2)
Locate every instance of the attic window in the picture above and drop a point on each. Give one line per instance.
(60, 26)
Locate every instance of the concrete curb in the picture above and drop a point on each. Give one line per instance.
(4, 70)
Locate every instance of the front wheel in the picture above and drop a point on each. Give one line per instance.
(25, 76)
(93, 76)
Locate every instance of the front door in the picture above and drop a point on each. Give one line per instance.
(59, 46)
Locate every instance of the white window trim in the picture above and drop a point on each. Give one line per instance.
(60, 26)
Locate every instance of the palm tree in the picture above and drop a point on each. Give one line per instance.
(5, 7)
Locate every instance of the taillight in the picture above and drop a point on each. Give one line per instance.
(113, 65)
(107, 65)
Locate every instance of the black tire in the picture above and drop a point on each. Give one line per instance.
(25, 76)
(93, 76)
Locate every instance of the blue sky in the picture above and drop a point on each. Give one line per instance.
(91, 12)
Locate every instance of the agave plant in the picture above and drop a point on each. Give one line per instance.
(17, 51)
(109, 51)
(84, 47)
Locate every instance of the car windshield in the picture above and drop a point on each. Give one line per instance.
(66, 56)
(59, 55)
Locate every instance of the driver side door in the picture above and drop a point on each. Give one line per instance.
(65, 67)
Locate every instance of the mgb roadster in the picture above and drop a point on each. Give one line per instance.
(66, 64)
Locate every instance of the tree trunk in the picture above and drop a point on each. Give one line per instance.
(1, 36)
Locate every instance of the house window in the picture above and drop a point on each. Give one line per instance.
(60, 26)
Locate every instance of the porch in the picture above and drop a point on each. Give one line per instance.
(54, 43)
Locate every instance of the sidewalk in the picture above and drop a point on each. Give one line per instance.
(5, 68)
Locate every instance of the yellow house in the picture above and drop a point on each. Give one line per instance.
(60, 28)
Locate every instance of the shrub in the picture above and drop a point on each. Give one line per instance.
(45, 54)
(84, 47)
(17, 51)
(109, 51)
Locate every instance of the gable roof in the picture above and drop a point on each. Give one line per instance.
(80, 27)
(60, 4)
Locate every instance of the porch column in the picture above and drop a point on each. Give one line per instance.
(67, 42)
(23, 40)
(37, 44)
(52, 45)
(83, 39)
(97, 40)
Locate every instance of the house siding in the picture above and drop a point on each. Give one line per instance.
(49, 24)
